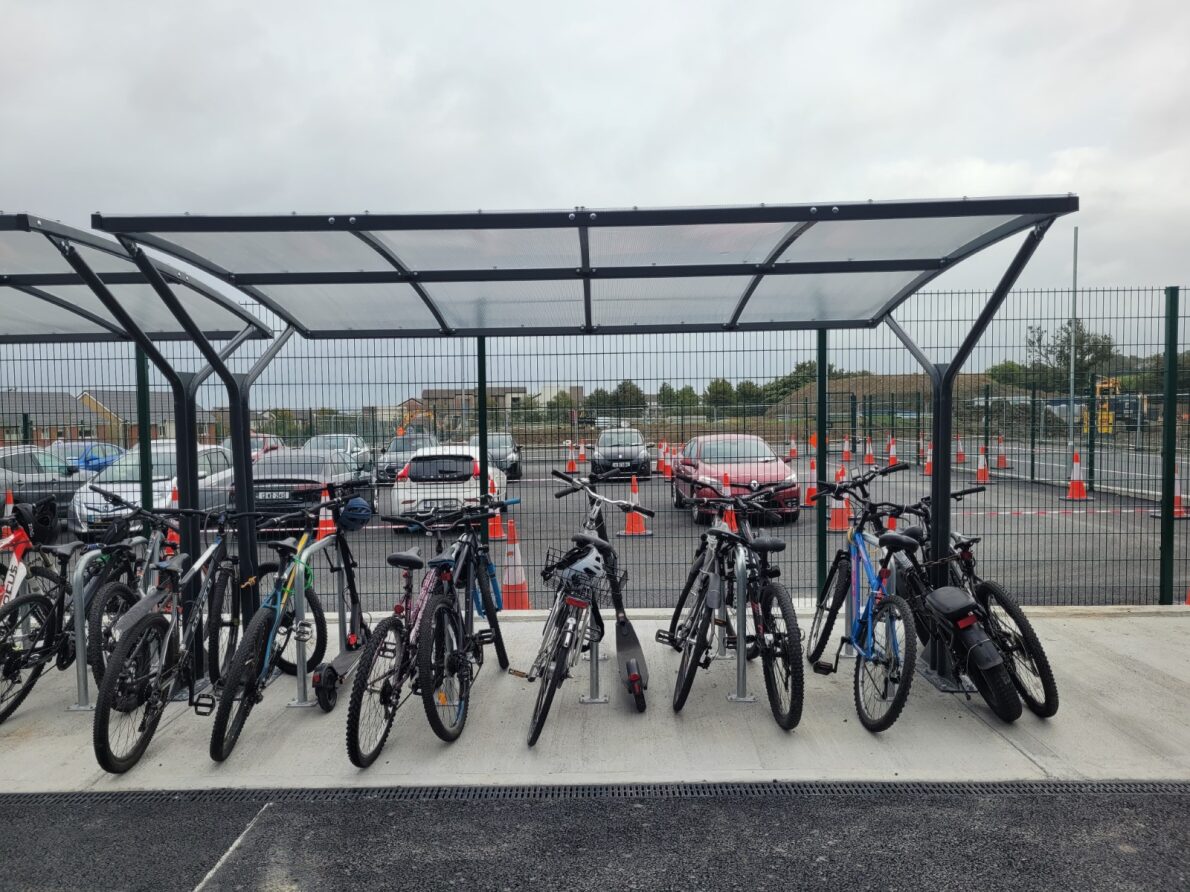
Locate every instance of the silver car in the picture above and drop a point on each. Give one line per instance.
(352, 444)
(33, 473)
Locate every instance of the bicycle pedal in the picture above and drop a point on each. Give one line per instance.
(485, 637)
(204, 704)
(824, 667)
(304, 631)
(663, 637)
(730, 641)
(705, 662)
(518, 673)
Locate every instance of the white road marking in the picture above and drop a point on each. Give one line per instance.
(231, 849)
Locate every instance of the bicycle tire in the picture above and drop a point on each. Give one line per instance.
(996, 687)
(692, 652)
(782, 656)
(904, 674)
(14, 615)
(827, 609)
(223, 613)
(676, 618)
(489, 607)
(314, 614)
(115, 698)
(439, 658)
(360, 753)
(1047, 705)
(110, 603)
(548, 685)
(243, 679)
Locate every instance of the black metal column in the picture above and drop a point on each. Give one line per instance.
(823, 423)
(1169, 428)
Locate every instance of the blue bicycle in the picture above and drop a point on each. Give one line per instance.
(882, 631)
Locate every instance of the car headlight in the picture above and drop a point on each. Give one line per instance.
(644, 455)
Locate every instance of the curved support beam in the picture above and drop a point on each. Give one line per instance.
(396, 263)
(72, 308)
(795, 232)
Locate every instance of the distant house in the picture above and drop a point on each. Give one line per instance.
(42, 416)
(117, 409)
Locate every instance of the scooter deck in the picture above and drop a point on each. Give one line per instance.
(628, 648)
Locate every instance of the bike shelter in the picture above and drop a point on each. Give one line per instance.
(85, 288)
(588, 271)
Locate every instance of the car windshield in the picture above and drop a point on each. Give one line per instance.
(294, 463)
(256, 443)
(621, 438)
(329, 441)
(126, 468)
(737, 450)
(495, 441)
(68, 451)
(409, 442)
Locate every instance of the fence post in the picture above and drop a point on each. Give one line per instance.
(1033, 433)
(820, 502)
(1092, 428)
(892, 415)
(987, 418)
(144, 428)
(481, 397)
(1169, 422)
(852, 405)
(26, 429)
(917, 445)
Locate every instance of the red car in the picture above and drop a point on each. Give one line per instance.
(749, 462)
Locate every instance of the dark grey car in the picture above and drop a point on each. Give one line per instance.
(503, 451)
(289, 479)
(33, 473)
(400, 450)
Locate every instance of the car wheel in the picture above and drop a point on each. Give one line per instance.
(678, 501)
(698, 517)
(792, 516)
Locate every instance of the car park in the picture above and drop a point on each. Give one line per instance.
(503, 452)
(33, 474)
(400, 449)
(290, 479)
(90, 513)
(440, 477)
(260, 444)
(621, 451)
(352, 444)
(749, 463)
(85, 455)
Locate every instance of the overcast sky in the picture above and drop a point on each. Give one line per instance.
(273, 107)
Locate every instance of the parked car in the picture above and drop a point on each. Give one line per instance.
(440, 477)
(352, 444)
(90, 513)
(85, 455)
(622, 450)
(33, 473)
(260, 444)
(289, 479)
(747, 460)
(503, 452)
(400, 449)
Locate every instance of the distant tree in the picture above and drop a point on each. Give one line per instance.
(627, 397)
(719, 395)
(667, 397)
(805, 372)
(599, 400)
(749, 398)
(1010, 373)
(687, 398)
(1050, 357)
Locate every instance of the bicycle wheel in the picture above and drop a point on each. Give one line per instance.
(109, 604)
(684, 614)
(375, 692)
(131, 699)
(22, 629)
(996, 688)
(243, 686)
(1027, 663)
(829, 601)
(782, 656)
(443, 669)
(223, 623)
(551, 679)
(315, 616)
(695, 646)
(882, 681)
(489, 607)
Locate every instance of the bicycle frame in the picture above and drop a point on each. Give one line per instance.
(862, 614)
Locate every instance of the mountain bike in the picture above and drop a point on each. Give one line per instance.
(715, 588)
(882, 630)
(581, 576)
(19, 538)
(1023, 657)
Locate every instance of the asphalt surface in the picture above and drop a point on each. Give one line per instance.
(894, 838)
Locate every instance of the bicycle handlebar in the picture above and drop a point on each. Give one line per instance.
(578, 485)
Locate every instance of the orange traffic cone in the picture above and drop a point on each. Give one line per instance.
(496, 521)
(729, 514)
(847, 447)
(514, 587)
(172, 537)
(814, 442)
(981, 470)
(839, 518)
(571, 464)
(634, 522)
(582, 450)
(1077, 491)
(892, 451)
(661, 458)
(869, 455)
(928, 470)
(669, 465)
(960, 457)
(1179, 509)
(8, 503)
(326, 523)
(812, 487)
(792, 447)
(1001, 456)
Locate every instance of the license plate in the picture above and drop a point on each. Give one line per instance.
(438, 504)
(272, 496)
(621, 464)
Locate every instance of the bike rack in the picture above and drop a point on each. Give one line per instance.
(302, 699)
(80, 629)
(741, 694)
(593, 697)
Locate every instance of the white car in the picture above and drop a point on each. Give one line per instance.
(442, 477)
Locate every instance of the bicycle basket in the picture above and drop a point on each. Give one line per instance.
(567, 566)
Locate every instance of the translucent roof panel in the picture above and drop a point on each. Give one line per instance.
(31, 252)
(354, 307)
(146, 309)
(485, 248)
(510, 305)
(26, 316)
(888, 239)
(291, 252)
(823, 298)
(694, 301)
(678, 245)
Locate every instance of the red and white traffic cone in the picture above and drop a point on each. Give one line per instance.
(514, 587)
(669, 465)
(869, 455)
(960, 457)
(982, 476)
(847, 447)
(792, 447)
(812, 486)
(840, 515)
(171, 537)
(5, 529)
(1077, 491)
(928, 470)
(582, 451)
(496, 521)
(892, 451)
(729, 515)
(326, 523)
(1179, 509)
(571, 464)
(634, 522)
(1001, 456)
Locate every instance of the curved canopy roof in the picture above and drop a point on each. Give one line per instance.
(43, 299)
(588, 270)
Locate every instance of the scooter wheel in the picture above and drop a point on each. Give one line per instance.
(327, 689)
(638, 695)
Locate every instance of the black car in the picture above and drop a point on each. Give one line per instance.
(503, 452)
(400, 450)
(621, 450)
(289, 479)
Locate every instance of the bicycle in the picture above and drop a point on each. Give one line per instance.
(882, 630)
(580, 577)
(727, 543)
(1023, 657)
(19, 539)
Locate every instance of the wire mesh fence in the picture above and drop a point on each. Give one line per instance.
(744, 404)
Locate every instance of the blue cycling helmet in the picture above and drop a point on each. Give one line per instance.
(354, 515)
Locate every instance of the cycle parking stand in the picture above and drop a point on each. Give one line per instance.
(741, 695)
(82, 704)
(593, 697)
(302, 695)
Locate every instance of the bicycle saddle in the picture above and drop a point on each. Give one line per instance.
(898, 542)
(284, 547)
(915, 532)
(176, 564)
(410, 560)
(767, 545)
(62, 551)
(591, 539)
